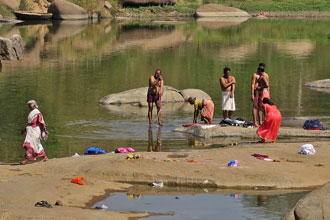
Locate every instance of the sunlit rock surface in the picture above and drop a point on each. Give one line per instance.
(11, 49)
(138, 97)
(204, 131)
(64, 10)
(217, 10)
(313, 206)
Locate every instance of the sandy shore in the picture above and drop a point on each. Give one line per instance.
(22, 186)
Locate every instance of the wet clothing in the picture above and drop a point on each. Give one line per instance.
(269, 128)
(228, 103)
(153, 98)
(260, 95)
(208, 109)
(34, 132)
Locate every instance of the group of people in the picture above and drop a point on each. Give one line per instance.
(260, 96)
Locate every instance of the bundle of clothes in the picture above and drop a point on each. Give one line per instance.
(239, 122)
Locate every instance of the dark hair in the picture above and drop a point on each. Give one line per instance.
(226, 69)
(191, 99)
(158, 70)
(261, 69)
(267, 101)
(263, 65)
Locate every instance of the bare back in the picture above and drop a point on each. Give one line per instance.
(263, 81)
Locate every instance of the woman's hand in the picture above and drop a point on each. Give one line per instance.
(46, 132)
(23, 131)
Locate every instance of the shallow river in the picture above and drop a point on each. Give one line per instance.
(69, 66)
(179, 204)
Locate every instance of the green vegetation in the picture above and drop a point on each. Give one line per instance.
(276, 5)
(25, 6)
(190, 6)
(87, 4)
(5, 12)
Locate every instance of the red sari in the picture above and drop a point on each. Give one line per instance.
(269, 128)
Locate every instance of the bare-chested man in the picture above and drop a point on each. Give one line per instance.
(259, 90)
(155, 92)
(227, 84)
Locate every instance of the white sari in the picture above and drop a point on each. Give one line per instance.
(34, 133)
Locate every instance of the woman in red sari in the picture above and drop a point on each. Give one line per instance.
(269, 128)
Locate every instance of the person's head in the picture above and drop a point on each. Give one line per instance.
(267, 101)
(32, 104)
(158, 73)
(226, 71)
(261, 69)
(191, 100)
(262, 65)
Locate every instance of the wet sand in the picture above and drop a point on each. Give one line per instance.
(22, 186)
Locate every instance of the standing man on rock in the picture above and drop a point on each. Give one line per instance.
(261, 91)
(155, 93)
(227, 84)
(254, 92)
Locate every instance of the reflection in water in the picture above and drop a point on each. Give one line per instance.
(261, 199)
(158, 147)
(75, 64)
(183, 205)
(220, 22)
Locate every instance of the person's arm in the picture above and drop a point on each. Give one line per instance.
(23, 131)
(195, 115)
(233, 89)
(253, 82)
(161, 86)
(225, 84)
(264, 110)
(153, 81)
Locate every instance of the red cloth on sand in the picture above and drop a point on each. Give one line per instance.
(269, 128)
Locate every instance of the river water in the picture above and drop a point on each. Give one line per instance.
(179, 204)
(69, 66)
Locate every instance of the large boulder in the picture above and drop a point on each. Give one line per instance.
(217, 10)
(128, 3)
(64, 10)
(320, 85)
(194, 93)
(138, 97)
(11, 49)
(11, 4)
(313, 206)
(325, 83)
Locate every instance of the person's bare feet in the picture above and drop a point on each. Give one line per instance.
(23, 162)
(160, 124)
(44, 160)
(256, 125)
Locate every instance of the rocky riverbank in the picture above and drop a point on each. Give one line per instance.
(22, 186)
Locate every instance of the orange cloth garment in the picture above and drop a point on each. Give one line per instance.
(269, 128)
(77, 180)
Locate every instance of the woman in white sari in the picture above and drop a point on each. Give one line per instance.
(35, 132)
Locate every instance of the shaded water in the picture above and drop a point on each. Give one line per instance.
(204, 205)
(69, 66)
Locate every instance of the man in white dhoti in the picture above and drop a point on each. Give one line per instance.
(35, 132)
(227, 84)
